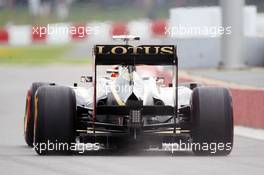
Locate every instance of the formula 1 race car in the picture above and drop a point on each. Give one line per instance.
(126, 110)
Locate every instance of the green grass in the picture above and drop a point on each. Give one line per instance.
(38, 54)
(80, 13)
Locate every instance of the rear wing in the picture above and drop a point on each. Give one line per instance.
(135, 55)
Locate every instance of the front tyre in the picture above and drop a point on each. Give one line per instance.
(54, 130)
(212, 116)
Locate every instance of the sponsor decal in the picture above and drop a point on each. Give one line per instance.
(130, 50)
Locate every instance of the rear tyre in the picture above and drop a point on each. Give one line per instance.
(54, 130)
(29, 112)
(212, 116)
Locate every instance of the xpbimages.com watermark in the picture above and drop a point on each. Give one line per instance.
(172, 147)
(183, 146)
(185, 30)
(56, 29)
(58, 146)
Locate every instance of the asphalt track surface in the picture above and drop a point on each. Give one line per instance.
(247, 156)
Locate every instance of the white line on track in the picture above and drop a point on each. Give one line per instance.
(249, 132)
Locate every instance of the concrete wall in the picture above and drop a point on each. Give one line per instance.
(254, 51)
(205, 52)
(210, 16)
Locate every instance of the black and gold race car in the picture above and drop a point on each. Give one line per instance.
(127, 110)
